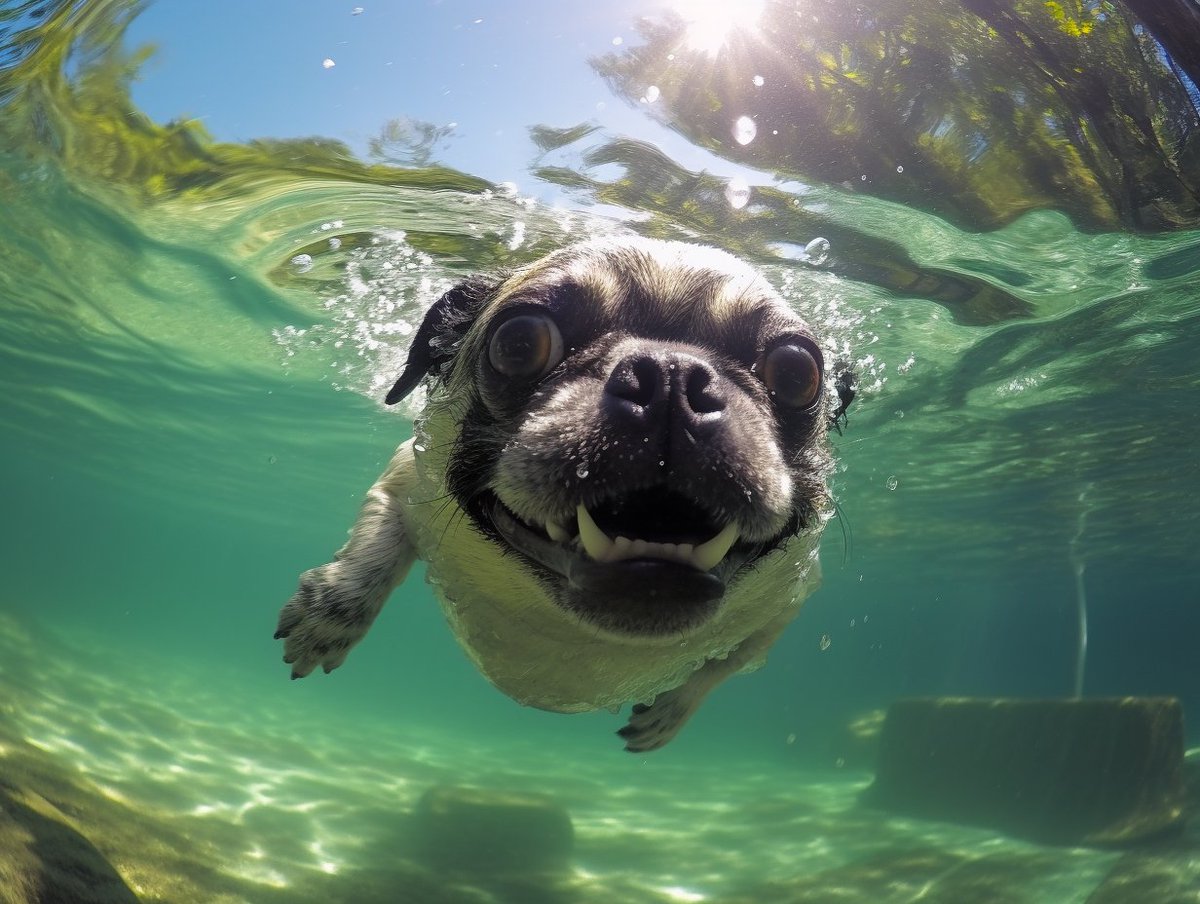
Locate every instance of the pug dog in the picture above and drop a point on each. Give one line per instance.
(618, 482)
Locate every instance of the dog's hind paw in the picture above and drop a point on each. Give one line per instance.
(322, 621)
(652, 726)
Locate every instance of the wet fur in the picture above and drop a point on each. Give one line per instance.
(480, 441)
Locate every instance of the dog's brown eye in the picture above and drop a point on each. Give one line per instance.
(526, 347)
(791, 374)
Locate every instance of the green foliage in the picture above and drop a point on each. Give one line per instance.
(978, 110)
(89, 121)
(680, 203)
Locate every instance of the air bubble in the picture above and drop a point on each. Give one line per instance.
(892, 482)
(737, 192)
(581, 472)
(744, 130)
(825, 643)
(816, 252)
(302, 263)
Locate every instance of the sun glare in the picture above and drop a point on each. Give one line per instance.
(711, 22)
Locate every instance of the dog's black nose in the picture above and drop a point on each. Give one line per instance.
(672, 388)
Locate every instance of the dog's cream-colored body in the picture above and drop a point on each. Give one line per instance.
(661, 652)
(543, 656)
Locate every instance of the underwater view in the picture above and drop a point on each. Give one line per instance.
(233, 234)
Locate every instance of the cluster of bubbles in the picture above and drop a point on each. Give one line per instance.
(388, 287)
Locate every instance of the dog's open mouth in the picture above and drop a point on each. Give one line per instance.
(648, 562)
(647, 527)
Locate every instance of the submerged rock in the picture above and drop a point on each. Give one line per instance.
(477, 831)
(1105, 771)
(43, 857)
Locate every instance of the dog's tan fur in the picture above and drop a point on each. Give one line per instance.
(515, 630)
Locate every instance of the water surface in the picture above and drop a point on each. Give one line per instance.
(213, 252)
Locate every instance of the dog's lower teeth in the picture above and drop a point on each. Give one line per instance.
(601, 548)
(556, 532)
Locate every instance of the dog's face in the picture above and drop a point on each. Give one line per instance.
(637, 423)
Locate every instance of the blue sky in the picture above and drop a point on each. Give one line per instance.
(254, 69)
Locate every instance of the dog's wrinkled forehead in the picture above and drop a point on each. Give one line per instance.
(661, 289)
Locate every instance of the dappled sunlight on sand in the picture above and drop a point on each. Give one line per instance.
(190, 791)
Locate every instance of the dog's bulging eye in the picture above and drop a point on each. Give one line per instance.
(791, 374)
(526, 347)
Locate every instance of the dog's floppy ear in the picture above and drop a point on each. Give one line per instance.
(846, 384)
(441, 331)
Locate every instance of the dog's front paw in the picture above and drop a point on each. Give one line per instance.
(322, 621)
(650, 727)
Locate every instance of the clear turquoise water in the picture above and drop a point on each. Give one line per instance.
(191, 417)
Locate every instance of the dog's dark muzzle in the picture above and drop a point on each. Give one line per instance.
(645, 596)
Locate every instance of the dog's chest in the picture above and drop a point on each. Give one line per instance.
(542, 656)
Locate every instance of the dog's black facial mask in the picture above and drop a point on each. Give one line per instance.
(664, 385)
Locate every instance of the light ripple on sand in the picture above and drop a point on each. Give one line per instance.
(290, 803)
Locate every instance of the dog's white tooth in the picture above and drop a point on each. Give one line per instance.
(556, 532)
(638, 548)
(707, 555)
(595, 541)
(621, 549)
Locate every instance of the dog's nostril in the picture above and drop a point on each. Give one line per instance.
(647, 385)
(638, 379)
(702, 395)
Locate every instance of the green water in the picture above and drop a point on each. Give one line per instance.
(191, 416)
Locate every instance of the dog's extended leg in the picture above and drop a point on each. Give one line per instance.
(651, 726)
(336, 603)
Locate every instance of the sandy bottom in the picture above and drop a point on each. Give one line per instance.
(193, 797)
